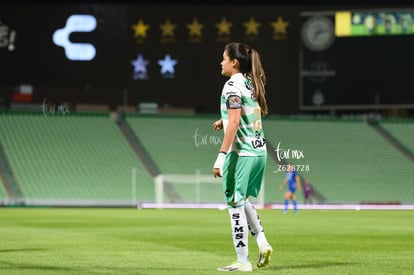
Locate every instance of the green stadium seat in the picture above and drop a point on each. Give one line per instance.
(3, 192)
(349, 162)
(402, 130)
(86, 157)
(74, 157)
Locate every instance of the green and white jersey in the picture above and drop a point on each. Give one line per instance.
(238, 93)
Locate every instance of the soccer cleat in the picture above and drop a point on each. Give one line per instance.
(238, 266)
(264, 256)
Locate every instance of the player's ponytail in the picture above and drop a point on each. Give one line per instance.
(259, 81)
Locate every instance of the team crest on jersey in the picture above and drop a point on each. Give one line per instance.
(248, 84)
(234, 102)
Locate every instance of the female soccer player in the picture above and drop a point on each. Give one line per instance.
(242, 157)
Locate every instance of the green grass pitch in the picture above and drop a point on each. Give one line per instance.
(197, 241)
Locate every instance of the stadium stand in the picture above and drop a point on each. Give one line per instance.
(3, 192)
(348, 161)
(403, 130)
(79, 157)
(178, 144)
(88, 157)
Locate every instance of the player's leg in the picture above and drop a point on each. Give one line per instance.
(235, 197)
(295, 203)
(255, 225)
(256, 229)
(239, 229)
(257, 167)
(286, 202)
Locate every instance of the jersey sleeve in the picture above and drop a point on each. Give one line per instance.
(232, 95)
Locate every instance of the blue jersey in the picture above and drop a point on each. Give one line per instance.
(291, 181)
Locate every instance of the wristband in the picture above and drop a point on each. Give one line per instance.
(219, 162)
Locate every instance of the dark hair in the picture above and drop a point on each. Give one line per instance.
(250, 65)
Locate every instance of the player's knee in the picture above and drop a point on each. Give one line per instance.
(236, 204)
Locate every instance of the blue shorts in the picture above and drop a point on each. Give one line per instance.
(292, 190)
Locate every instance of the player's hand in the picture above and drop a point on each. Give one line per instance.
(218, 165)
(216, 172)
(218, 125)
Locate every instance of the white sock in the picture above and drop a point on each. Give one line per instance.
(255, 225)
(240, 231)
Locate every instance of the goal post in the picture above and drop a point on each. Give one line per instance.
(197, 189)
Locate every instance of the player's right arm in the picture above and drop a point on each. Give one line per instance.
(231, 129)
(283, 183)
(229, 135)
(298, 181)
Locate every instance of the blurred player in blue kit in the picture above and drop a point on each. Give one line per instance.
(292, 180)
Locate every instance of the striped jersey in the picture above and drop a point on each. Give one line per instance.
(238, 93)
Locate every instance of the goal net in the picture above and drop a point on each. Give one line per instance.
(198, 190)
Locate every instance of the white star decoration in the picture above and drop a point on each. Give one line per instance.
(140, 65)
(167, 66)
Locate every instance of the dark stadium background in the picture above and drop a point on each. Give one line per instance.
(372, 72)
